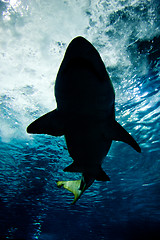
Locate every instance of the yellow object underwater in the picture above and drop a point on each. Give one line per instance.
(74, 187)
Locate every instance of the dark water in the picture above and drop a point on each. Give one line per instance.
(33, 39)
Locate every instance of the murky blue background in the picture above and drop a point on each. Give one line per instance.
(33, 38)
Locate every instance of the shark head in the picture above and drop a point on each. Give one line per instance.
(82, 84)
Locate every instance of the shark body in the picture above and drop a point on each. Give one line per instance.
(85, 115)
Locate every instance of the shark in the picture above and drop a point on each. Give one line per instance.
(85, 115)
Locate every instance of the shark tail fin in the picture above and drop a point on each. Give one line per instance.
(120, 134)
(72, 186)
(50, 123)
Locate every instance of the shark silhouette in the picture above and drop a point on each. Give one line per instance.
(85, 115)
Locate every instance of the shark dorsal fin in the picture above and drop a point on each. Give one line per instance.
(50, 123)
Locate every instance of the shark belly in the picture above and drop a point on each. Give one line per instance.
(86, 102)
(87, 146)
(80, 93)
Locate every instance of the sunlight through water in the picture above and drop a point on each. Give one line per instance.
(34, 35)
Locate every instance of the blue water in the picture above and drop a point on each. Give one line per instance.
(33, 39)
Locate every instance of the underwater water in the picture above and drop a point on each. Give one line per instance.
(33, 38)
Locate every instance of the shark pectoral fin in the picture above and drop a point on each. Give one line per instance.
(50, 123)
(120, 134)
(72, 186)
